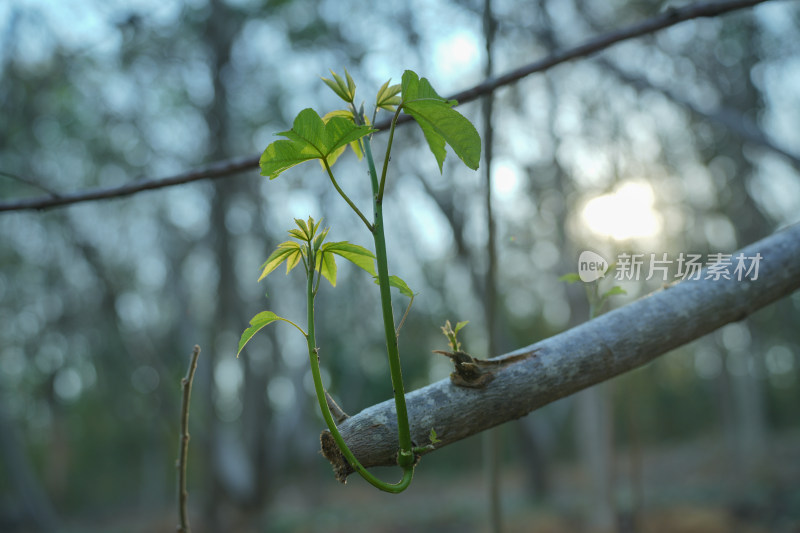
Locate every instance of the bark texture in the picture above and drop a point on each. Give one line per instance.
(593, 352)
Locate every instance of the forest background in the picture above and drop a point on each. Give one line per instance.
(684, 140)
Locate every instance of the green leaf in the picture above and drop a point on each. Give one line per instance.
(613, 291)
(304, 226)
(439, 122)
(433, 437)
(572, 277)
(460, 326)
(320, 238)
(283, 155)
(351, 85)
(297, 234)
(345, 91)
(310, 138)
(285, 251)
(358, 255)
(414, 88)
(397, 283)
(387, 96)
(293, 259)
(256, 323)
(326, 265)
(355, 145)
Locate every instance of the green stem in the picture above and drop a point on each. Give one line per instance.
(313, 354)
(379, 194)
(343, 195)
(406, 456)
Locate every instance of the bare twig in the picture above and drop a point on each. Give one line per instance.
(183, 451)
(667, 18)
(29, 182)
(219, 169)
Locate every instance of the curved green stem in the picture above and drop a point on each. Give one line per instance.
(313, 354)
(343, 195)
(379, 195)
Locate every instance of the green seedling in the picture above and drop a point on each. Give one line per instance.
(325, 139)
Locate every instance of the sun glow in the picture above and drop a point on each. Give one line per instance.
(624, 214)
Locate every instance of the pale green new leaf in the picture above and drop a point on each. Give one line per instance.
(572, 277)
(297, 234)
(614, 291)
(320, 238)
(345, 91)
(257, 323)
(387, 96)
(459, 326)
(397, 283)
(358, 255)
(293, 259)
(351, 85)
(307, 228)
(326, 265)
(285, 251)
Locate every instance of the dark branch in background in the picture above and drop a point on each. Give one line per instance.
(669, 17)
(219, 169)
(593, 352)
(183, 451)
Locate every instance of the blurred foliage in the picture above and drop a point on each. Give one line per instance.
(101, 303)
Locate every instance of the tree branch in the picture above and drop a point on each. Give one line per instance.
(669, 17)
(219, 169)
(593, 352)
(183, 451)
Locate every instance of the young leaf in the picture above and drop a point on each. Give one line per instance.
(297, 234)
(355, 145)
(433, 437)
(283, 155)
(358, 255)
(613, 291)
(309, 138)
(326, 265)
(572, 277)
(399, 284)
(387, 97)
(257, 323)
(345, 91)
(306, 227)
(286, 251)
(439, 122)
(459, 326)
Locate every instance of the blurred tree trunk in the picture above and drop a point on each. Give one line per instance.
(35, 509)
(219, 30)
(593, 423)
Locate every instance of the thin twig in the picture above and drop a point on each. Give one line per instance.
(183, 450)
(669, 17)
(30, 182)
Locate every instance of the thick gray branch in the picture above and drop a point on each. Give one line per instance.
(593, 352)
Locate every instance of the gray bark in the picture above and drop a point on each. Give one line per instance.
(614, 343)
